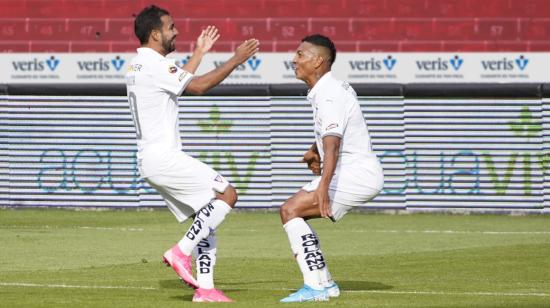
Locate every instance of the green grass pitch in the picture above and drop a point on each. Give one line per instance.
(112, 258)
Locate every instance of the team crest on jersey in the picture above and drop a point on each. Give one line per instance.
(172, 69)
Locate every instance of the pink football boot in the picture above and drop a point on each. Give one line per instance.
(210, 295)
(181, 263)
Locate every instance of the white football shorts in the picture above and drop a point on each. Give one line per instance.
(341, 202)
(187, 186)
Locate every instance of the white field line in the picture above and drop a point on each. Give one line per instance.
(73, 227)
(65, 286)
(435, 232)
(350, 231)
(456, 232)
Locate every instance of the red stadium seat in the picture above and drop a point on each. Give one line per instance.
(339, 28)
(129, 46)
(47, 29)
(414, 29)
(418, 46)
(13, 29)
(377, 46)
(289, 29)
(49, 46)
(506, 46)
(370, 29)
(535, 29)
(90, 46)
(497, 30)
(250, 28)
(407, 8)
(454, 29)
(199, 8)
(86, 29)
(530, 8)
(465, 46)
(14, 46)
(13, 9)
(538, 46)
(119, 30)
(192, 27)
(363, 25)
(280, 46)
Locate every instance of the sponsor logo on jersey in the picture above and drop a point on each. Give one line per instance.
(331, 126)
(172, 69)
(219, 179)
(182, 76)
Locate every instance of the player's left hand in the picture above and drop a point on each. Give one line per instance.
(313, 160)
(206, 40)
(322, 199)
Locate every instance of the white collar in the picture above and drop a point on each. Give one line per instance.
(319, 85)
(149, 52)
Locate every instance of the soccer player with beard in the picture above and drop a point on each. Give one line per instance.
(189, 187)
(351, 173)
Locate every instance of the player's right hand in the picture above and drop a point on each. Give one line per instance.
(313, 160)
(246, 50)
(206, 40)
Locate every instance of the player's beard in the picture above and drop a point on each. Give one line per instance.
(168, 45)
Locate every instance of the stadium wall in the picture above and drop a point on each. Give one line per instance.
(444, 146)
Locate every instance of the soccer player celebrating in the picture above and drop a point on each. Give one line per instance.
(189, 187)
(351, 172)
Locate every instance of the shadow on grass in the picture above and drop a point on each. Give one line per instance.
(345, 285)
(184, 298)
(355, 285)
(173, 284)
(230, 286)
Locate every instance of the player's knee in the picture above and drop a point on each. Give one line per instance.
(229, 196)
(287, 212)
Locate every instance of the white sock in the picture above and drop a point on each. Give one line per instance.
(205, 259)
(304, 245)
(326, 277)
(206, 220)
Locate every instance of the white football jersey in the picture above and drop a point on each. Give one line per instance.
(153, 84)
(336, 112)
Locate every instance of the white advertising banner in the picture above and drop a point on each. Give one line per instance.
(273, 68)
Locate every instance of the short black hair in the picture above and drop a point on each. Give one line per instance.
(321, 40)
(149, 19)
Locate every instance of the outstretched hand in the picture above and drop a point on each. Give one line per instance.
(206, 40)
(246, 50)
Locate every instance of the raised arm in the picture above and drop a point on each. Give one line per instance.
(200, 84)
(205, 41)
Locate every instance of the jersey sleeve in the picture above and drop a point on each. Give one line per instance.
(172, 78)
(332, 114)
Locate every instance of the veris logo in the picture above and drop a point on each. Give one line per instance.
(522, 62)
(252, 64)
(389, 62)
(505, 64)
(456, 62)
(101, 64)
(373, 64)
(440, 64)
(36, 65)
(118, 62)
